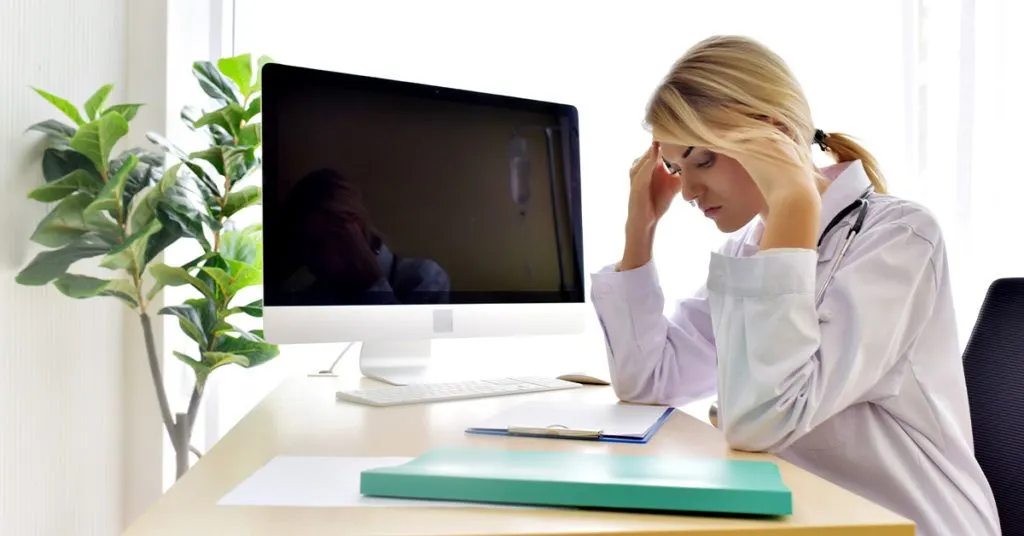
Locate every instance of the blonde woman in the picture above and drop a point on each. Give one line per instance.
(826, 324)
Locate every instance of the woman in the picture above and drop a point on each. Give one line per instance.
(863, 386)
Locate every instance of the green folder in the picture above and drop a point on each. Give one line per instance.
(586, 480)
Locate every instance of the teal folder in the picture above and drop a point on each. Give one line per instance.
(586, 480)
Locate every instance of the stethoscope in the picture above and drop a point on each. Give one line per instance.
(860, 205)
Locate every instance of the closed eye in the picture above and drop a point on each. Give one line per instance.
(707, 161)
(668, 166)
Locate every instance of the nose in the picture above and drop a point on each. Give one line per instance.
(691, 187)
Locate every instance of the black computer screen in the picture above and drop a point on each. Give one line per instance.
(380, 192)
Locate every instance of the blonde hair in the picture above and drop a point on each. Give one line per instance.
(728, 90)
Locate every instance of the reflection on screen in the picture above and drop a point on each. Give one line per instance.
(374, 198)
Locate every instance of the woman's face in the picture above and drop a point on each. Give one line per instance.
(719, 185)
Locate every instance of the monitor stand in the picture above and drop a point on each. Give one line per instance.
(396, 362)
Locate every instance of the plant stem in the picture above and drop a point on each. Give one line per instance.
(182, 432)
(193, 408)
(158, 382)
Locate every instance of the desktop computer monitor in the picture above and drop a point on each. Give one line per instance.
(396, 213)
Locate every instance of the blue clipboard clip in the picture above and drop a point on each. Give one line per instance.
(554, 430)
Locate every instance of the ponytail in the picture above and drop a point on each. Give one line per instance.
(844, 149)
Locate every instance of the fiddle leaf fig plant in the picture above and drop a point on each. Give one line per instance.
(113, 212)
(122, 209)
(232, 258)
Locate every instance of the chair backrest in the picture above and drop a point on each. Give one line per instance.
(994, 368)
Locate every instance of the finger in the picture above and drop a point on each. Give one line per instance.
(645, 159)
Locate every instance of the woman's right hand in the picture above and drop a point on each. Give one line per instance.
(652, 189)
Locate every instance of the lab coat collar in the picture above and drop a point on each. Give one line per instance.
(849, 180)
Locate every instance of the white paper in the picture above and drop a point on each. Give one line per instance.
(319, 481)
(614, 419)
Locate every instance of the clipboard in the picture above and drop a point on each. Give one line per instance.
(557, 430)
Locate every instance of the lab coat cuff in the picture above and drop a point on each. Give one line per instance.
(789, 271)
(626, 284)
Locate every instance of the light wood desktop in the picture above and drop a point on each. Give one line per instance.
(301, 417)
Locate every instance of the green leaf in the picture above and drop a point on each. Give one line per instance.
(240, 163)
(67, 222)
(259, 75)
(218, 359)
(52, 264)
(198, 319)
(213, 155)
(127, 111)
(223, 281)
(254, 309)
(244, 275)
(190, 322)
(173, 276)
(112, 195)
(58, 133)
(130, 255)
(220, 136)
(185, 205)
(229, 161)
(244, 246)
(145, 203)
(63, 105)
(237, 200)
(96, 101)
(233, 279)
(189, 116)
(96, 140)
(249, 345)
(239, 70)
(212, 261)
(210, 188)
(228, 117)
(81, 287)
(214, 83)
(254, 108)
(251, 135)
(145, 174)
(77, 180)
(202, 370)
(58, 162)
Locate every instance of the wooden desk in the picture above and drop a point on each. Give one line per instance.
(301, 417)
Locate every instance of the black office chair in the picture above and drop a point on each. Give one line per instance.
(994, 367)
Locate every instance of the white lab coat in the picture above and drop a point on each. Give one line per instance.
(866, 390)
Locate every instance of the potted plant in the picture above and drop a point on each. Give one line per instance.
(125, 209)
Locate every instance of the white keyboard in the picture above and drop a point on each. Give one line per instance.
(423, 393)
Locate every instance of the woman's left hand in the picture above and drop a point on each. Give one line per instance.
(790, 190)
(778, 171)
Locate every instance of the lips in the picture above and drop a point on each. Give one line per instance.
(711, 211)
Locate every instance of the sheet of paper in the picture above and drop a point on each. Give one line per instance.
(611, 418)
(319, 481)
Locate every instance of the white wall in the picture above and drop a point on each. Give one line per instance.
(60, 359)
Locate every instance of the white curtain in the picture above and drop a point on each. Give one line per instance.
(927, 85)
(966, 80)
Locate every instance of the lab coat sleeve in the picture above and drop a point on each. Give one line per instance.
(654, 358)
(782, 372)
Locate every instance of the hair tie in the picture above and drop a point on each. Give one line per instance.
(819, 139)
